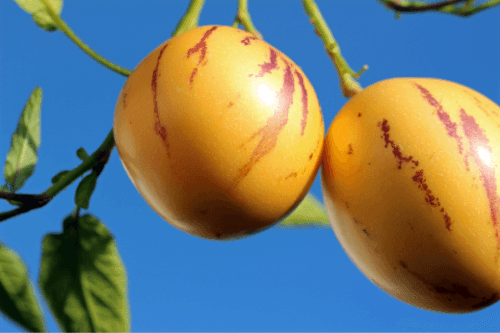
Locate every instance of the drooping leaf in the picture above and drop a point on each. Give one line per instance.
(85, 189)
(309, 213)
(22, 157)
(83, 278)
(40, 12)
(57, 177)
(82, 154)
(18, 299)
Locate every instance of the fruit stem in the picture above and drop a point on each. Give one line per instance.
(61, 25)
(243, 18)
(190, 19)
(347, 76)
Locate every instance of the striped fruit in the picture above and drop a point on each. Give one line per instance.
(411, 187)
(220, 132)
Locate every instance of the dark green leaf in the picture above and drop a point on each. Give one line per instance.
(40, 13)
(85, 189)
(18, 299)
(57, 177)
(82, 154)
(309, 213)
(22, 157)
(83, 278)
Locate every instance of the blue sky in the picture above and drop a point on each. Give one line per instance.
(278, 280)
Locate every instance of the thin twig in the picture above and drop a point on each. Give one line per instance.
(347, 76)
(29, 202)
(26, 199)
(448, 7)
(61, 25)
(418, 6)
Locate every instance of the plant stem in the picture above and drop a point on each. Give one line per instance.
(96, 161)
(347, 76)
(243, 18)
(448, 7)
(410, 6)
(30, 202)
(190, 19)
(86, 165)
(61, 25)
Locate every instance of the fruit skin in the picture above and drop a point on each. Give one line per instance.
(220, 132)
(410, 182)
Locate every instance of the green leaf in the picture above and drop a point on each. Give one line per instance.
(22, 157)
(19, 302)
(82, 154)
(83, 278)
(40, 13)
(85, 189)
(57, 177)
(309, 213)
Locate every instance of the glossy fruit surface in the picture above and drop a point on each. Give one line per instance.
(410, 179)
(220, 132)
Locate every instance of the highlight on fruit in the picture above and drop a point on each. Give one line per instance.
(220, 132)
(410, 183)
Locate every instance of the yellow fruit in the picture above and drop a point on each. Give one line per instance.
(220, 132)
(411, 189)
